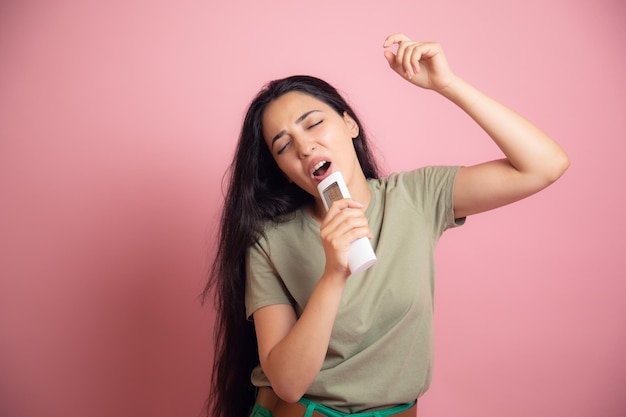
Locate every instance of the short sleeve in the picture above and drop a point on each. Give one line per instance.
(264, 286)
(431, 190)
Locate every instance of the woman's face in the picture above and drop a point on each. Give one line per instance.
(309, 140)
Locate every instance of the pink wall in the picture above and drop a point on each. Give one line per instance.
(118, 119)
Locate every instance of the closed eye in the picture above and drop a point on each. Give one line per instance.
(284, 147)
(315, 124)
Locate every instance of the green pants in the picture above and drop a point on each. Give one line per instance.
(311, 406)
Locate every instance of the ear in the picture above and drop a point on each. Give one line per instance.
(353, 127)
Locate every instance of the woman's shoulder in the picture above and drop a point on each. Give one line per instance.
(421, 174)
(285, 224)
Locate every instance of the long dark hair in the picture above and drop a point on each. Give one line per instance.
(257, 192)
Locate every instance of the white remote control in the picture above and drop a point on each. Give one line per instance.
(361, 255)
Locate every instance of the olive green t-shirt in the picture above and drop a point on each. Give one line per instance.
(381, 348)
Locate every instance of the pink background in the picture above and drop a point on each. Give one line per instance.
(118, 120)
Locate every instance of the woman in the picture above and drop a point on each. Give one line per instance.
(291, 319)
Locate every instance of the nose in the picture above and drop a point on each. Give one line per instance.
(306, 146)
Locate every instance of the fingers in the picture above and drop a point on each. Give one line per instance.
(395, 38)
(406, 60)
(345, 203)
(344, 223)
(341, 227)
(408, 57)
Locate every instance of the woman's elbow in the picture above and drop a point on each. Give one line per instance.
(558, 166)
(290, 393)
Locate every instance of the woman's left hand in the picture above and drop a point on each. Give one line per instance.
(422, 63)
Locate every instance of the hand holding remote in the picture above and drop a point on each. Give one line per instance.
(360, 255)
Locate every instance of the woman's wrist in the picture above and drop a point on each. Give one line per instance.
(335, 278)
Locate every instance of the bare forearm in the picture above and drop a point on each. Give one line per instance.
(296, 360)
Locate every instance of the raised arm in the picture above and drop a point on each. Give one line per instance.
(532, 160)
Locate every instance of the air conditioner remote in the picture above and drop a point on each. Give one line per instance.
(360, 255)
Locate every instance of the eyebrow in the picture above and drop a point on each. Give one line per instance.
(298, 121)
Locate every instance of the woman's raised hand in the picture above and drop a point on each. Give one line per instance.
(421, 63)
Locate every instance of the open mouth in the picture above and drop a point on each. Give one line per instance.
(320, 168)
